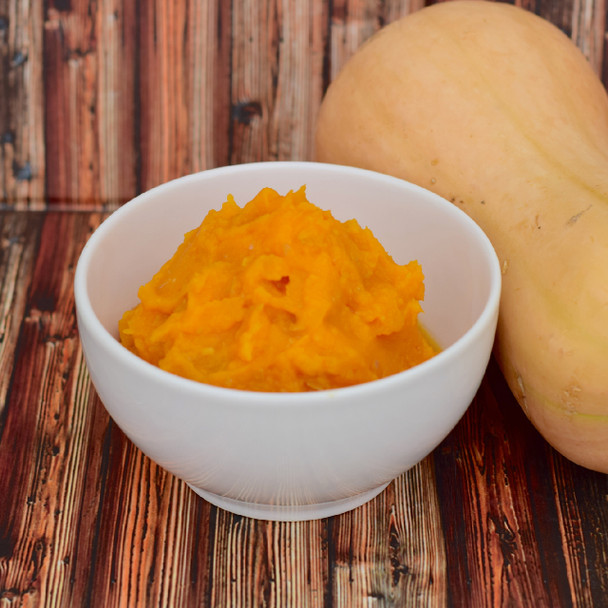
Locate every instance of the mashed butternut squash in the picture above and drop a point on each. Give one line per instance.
(279, 296)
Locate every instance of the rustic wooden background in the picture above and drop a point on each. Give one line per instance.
(103, 99)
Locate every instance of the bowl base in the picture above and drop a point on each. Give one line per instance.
(287, 512)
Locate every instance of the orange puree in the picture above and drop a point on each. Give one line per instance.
(279, 296)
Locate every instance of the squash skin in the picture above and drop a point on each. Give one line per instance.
(496, 109)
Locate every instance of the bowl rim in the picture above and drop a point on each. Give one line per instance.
(86, 315)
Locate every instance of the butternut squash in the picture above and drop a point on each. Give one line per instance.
(496, 109)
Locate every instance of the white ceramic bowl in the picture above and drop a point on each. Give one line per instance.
(292, 456)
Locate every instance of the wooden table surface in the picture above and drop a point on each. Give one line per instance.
(101, 100)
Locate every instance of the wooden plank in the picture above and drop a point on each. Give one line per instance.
(103, 103)
(145, 544)
(22, 145)
(493, 541)
(417, 543)
(183, 88)
(255, 39)
(210, 33)
(391, 551)
(70, 85)
(588, 30)
(19, 233)
(581, 499)
(354, 21)
(523, 530)
(584, 21)
(295, 51)
(45, 427)
(163, 91)
(116, 104)
(258, 563)
(89, 73)
(85, 516)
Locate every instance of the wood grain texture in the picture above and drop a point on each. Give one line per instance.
(90, 68)
(42, 476)
(392, 551)
(494, 517)
(528, 513)
(22, 140)
(18, 253)
(102, 99)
